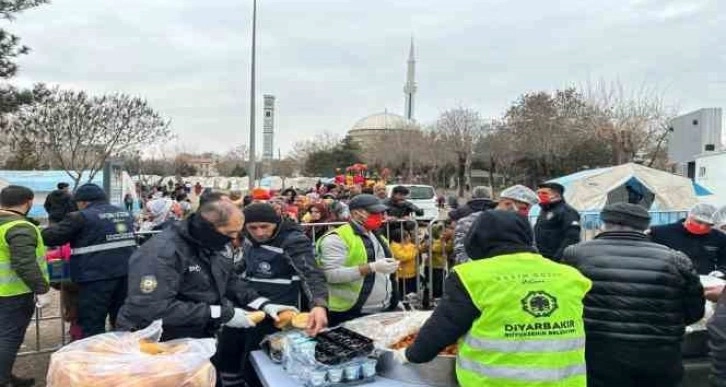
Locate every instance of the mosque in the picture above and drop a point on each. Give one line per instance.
(371, 128)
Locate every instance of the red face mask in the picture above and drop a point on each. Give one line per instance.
(373, 222)
(696, 228)
(544, 198)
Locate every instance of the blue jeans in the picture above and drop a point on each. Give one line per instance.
(15, 315)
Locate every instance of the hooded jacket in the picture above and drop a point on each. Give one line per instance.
(456, 312)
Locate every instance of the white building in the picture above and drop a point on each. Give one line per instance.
(711, 174)
(693, 134)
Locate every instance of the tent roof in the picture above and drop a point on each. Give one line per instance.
(588, 190)
(42, 181)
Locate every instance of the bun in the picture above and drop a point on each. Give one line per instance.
(300, 321)
(284, 319)
(256, 317)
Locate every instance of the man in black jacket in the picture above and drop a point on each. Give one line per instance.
(278, 261)
(181, 277)
(102, 240)
(696, 237)
(558, 224)
(398, 206)
(59, 203)
(643, 296)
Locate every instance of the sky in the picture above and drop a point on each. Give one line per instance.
(332, 62)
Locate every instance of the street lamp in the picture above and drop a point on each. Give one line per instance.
(252, 172)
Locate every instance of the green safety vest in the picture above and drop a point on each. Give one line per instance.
(343, 296)
(10, 283)
(531, 331)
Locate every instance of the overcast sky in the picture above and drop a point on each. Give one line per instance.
(332, 62)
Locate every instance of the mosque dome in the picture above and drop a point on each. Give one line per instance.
(381, 121)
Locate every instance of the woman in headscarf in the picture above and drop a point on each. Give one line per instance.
(318, 213)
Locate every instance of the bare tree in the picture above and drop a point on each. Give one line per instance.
(459, 130)
(81, 131)
(321, 142)
(634, 123)
(232, 161)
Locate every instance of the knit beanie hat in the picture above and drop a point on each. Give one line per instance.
(89, 193)
(261, 213)
(626, 214)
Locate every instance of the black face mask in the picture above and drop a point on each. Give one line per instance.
(205, 232)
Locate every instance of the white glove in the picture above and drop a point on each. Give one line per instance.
(384, 266)
(716, 273)
(273, 309)
(400, 356)
(240, 320)
(42, 300)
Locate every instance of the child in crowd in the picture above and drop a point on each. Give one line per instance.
(441, 248)
(406, 252)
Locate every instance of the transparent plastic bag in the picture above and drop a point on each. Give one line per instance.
(116, 359)
(386, 329)
(709, 307)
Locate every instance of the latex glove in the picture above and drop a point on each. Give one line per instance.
(384, 266)
(240, 320)
(400, 356)
(716, 273)
(317, 322)
(42, 300)
(273, 310)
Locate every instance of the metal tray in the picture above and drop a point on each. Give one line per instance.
(440, 372)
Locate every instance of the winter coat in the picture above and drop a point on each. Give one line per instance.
(642, 292)
(174, 277)
(406, 254)
(707, 252)
(558, 226)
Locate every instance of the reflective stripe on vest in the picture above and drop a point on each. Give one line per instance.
(276, 281)
(103, 247)
(10, 283)
(528, 374)
(516, 346)
(530, 331)
(342, 297)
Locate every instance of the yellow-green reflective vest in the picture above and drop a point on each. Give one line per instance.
(343, 296)
(530, 332)
(10, 283)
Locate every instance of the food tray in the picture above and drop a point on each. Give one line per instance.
(340, 345)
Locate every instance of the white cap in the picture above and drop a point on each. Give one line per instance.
(520, 193)
(703, 212)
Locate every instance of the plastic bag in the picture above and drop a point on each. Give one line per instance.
(386, 329)
(116, 359)
(709, 308)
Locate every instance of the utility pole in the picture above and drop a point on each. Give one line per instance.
(253, 151)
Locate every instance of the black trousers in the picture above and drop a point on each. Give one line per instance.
(633, 365)
(234, 347)
(15, 315)
(98, 300)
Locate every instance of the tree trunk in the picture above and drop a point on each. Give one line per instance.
(461, 174)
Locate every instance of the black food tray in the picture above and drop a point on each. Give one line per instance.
(340, 345)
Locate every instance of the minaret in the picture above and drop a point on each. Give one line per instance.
(410, 87)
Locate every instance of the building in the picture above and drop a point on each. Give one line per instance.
(268, 129)
(711, 174)
(693, 134)
(374, 127)
(204, 166)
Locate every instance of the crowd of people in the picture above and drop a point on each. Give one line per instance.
(526, 304)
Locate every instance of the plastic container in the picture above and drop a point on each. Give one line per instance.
(335, 375)
(352, 372)
(369, 368)
(341, 345)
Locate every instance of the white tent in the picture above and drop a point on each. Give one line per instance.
(654, 189)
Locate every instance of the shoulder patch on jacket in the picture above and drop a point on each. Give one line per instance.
(148, 284)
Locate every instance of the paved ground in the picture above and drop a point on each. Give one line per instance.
(36, 365)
